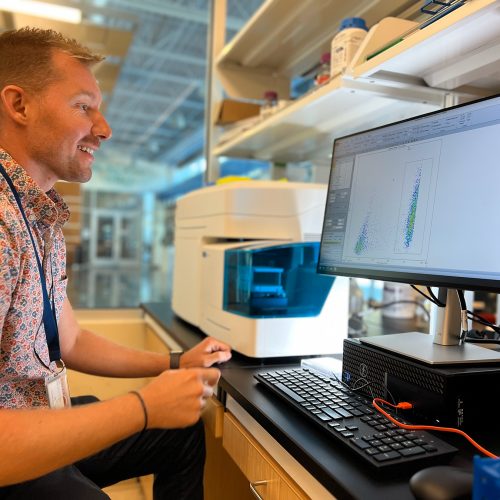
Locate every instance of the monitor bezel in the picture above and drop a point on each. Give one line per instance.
(425, 279)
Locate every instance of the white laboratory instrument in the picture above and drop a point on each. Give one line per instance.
(245, 269)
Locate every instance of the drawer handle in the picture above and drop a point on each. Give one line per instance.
(253, 488)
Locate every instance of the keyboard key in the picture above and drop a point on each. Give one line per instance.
(344, 413)
(429, 447)
(384, 448)
(290, 393)
(335, 415)
(324, 417)
(360, 443)
(408, 452)
(389, 455)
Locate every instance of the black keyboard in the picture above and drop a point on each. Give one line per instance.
(350, 419)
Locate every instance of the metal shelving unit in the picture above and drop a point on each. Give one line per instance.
(460, 49)
(449, 61)
(305, 129)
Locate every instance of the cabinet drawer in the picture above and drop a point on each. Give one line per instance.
(263, 472)
(213, 416)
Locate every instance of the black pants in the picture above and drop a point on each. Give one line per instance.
(176, 457)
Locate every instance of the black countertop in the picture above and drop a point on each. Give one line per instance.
(188, 336)
(338, 470)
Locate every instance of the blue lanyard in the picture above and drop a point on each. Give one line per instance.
(49, 316)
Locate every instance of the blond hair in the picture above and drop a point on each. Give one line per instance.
(26, 57)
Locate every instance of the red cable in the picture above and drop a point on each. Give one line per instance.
(406, 406)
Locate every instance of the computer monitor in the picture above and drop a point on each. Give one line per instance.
(417, 202)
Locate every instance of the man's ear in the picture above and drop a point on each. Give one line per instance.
(14, 102)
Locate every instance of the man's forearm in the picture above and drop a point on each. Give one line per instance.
(96, 355)
(35, 442)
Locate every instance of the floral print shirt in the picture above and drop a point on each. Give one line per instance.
(24, 356)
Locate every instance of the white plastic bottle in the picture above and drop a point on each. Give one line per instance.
(345, 44)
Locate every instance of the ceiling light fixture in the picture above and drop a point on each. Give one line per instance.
(43, 9)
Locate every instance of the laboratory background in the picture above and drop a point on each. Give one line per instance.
(174, 100)
(214, 186)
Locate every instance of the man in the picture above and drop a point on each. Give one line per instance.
(50, 127)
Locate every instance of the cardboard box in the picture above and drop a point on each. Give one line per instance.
(231, 111)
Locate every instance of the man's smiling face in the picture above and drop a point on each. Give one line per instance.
(65, 126)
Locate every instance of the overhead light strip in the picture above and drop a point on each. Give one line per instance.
(43, 9)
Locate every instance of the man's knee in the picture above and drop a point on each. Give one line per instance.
(56, 486)
(198, 430)
(198, 439)
(189, 444)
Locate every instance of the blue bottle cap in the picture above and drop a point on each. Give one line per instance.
(353, 22)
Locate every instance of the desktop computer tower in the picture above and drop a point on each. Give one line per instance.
(451, 396)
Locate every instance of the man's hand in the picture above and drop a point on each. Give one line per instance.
(207, 353)
(175, 398)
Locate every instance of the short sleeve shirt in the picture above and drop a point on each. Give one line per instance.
(24, 356)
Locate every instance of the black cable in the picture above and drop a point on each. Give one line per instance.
(366, 383)
(470, 314)
(431, 297)
(461, 299)
(482, 341)
(420, 292)
(463, 314)
(475, 317)
(375, 305)
(434, 298)
(479, 319)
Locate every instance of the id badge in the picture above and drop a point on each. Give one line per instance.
(56, 387)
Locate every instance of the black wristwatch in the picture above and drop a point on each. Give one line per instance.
(175, 359)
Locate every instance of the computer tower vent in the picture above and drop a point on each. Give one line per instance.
(366, 369)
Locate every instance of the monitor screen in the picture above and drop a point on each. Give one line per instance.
(417, 201)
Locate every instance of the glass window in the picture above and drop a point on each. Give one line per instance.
(153, 86)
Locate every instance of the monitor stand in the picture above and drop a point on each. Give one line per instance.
(421, 347)
(441, 348)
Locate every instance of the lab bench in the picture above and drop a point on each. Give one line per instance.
(286, 452)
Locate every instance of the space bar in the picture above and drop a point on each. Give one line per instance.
(288, 392)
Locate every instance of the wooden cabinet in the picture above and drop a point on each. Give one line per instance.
(266, 478)
(223, 479)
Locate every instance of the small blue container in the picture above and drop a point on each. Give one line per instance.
(353, 22)
(486, 485)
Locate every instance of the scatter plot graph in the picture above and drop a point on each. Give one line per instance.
(365, 233)
(412, 211)
(391, 204)
(413, 207)
(362, 241)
